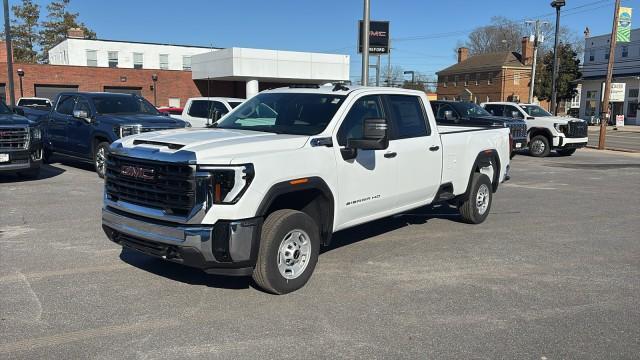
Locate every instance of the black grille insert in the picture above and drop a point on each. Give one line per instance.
(577, 129)
(159, 185)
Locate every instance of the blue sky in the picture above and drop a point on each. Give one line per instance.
(426, 30)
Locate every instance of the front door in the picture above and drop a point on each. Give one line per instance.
(80, 132)
(57, 125)
(366, 184)
(419, 152)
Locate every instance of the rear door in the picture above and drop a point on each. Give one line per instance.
(59, 120)
(417, 148)
(495, 109)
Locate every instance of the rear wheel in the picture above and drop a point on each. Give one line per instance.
(475, 208)
(100, 158)
(565, 152)
(539, 146)
(289, 248)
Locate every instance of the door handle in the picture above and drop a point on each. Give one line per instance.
(390, 155)
(434, 148)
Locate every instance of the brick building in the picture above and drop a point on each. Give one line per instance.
(503, 76)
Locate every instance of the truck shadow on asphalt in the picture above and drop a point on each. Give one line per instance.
(46, 172)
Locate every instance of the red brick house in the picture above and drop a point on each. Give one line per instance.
(503, 76)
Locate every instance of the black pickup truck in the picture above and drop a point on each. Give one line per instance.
(467, 113)
(82, 125)
(20, 144)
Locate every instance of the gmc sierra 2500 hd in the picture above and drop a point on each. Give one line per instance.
(262, 190)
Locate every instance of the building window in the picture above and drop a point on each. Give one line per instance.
(466, 80)
(606, 55)
(488, 99)
(477, 79)
(137, 60)
(186, 63)
(490, 79)
(455, 81)
(446, 79)
(591, 105)
(164, 61)
(625, 51)
(92, 58)
(516, 78)
(113, 59)
(592, 55)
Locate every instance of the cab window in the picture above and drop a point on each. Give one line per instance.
(367, 107)
(512, 112)
(408, 118)
(495, 110)
(66, 104)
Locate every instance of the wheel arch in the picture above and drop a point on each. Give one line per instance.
(540, 131)
(483, 159)
(310, 195)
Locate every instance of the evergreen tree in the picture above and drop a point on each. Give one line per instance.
(569, 71)
(24, 31)
(59, 21)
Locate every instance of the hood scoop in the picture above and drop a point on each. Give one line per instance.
(158, 143)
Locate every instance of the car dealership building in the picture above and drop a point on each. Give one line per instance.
(170, 74)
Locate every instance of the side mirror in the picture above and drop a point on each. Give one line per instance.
(81, 114)
(516, 114)
(215, 116)
(448, 115)
(375, 136)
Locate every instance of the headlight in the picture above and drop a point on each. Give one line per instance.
(226, 184)
(36, 133)
(126, 130)
(560, 128)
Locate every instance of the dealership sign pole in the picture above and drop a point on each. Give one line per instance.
(604, 108)
(364, 36)
(7, 34)
(377, 41)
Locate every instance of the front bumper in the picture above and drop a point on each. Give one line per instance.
(226, 248)
(570, 143)
(20, 160)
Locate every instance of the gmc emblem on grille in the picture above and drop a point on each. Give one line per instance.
(137, 172)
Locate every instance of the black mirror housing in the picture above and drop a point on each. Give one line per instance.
(375, 136)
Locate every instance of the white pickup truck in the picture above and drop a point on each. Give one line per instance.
(199, 111)
(262, 190)
(545, 131)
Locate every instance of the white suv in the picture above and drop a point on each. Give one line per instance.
(546, 132)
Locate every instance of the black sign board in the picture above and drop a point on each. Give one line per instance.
(378, 37)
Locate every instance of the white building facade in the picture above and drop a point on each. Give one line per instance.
(626, 77)
(124, 54)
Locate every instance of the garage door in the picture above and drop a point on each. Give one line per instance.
(52, 91)
(124, 90)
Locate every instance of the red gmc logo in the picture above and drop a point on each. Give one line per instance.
(137, 172)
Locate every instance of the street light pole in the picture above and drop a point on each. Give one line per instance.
(537, 38)
(7, 35)
(20, 76)
(154, 78)
(554, 91)
(365, 43)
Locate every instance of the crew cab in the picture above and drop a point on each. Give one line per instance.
(199, 111)
(83, 125)
(263, 189)
(20, 144)
(459, 113)
(545, 131)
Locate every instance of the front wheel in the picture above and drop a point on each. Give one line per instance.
(565, 152)
(289, 248)
(100, 159)
(539, 146)
(475, 208)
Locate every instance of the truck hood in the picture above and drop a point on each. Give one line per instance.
(562, 120)
(13, 119)
(212, 145)
(144, 119)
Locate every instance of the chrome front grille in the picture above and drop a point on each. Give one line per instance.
(14, 138)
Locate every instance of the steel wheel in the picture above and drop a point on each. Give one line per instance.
(537, 147)
(100, 160)
(482, 199)
(293, 254)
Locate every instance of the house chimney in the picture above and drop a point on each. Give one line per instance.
(527, 51)
(587, 32)
(463, 54)
(75, 33)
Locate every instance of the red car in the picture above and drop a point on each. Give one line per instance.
(171, 110)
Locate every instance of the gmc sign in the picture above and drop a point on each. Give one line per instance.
(378, 37)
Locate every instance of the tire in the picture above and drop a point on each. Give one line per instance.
(473, 209)
(100, 158)
(287, 235)
(539, 146)
(565, 152)
(30, 174)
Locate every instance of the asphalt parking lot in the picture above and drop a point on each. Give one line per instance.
(553, 273)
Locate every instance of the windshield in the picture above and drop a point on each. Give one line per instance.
(234, 104)
(470, 109)
(117, 104)
(284, 113)
(35, 103)
(4, 109)
(535, 110)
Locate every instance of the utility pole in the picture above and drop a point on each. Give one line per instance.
(604, 108)
(389, 66)
(7, 35)
(557, 4)
(537, 39)
(365, 43)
